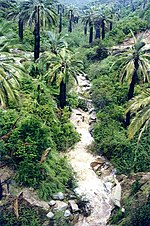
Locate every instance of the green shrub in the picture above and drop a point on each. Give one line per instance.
(27, 216)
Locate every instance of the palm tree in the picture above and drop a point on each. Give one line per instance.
(62, 67)
(41, 13)
(134, 68)
(9, 79)
(37, 13)
(70, 20)
(139, 107)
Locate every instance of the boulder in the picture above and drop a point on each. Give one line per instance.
(73, 206)
(52, 203)
(50, 215)
(97, 163)
(116, 194)
(67, 213)
(60, 206)
(58, 196)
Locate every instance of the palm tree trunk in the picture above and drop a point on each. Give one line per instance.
(60, 23)
(70, 26)
(103, 29)
(37, 36)
(62, 95)
(1, 190)
(20, 26)
(85, 28)
(58, 8)
(63, 9)
(70, 21)
(91, 32)
(131, 88)
(110, 26)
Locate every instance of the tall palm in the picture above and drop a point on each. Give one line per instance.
(139, 107)
(14, 14)
(47, 12)
(37, 13)
(62, 67)
(134, 68)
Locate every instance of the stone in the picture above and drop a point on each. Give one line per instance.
(60, 206)
(116, 194)
(50, 215)
(73, 206)
(58, 196)
(67, 213)
(52, 203)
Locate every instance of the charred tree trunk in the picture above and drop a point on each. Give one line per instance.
(62, 95)
(37, 35)
(60, 23)
(91, 32)
(110, 26)
(58, 9)
(63, 9)
(103, 29)
(20, 26)
(85, 28)
(1, 190)
(70, 21)
(70, 26)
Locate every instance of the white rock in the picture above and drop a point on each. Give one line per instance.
(73, 206)
(116, 195)
(58, 196)
(60, 206)
(67, 213)
(50, 215)
(52, 203)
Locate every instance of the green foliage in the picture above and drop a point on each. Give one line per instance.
(109, 98)
(27, 216)
(57, 176)
(141, 216)
(61, 220)
(117, 216)
(72, 99)
(37, 126)
(98, 52)
(122, 29)
(135, 187)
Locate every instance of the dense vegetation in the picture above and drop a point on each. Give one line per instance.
(36, 97)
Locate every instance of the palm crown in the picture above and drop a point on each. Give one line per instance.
(140, 109)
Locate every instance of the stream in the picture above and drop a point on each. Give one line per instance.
(96, 189)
